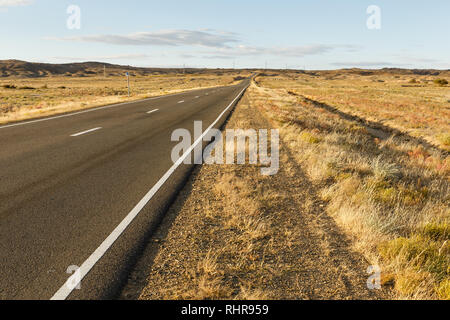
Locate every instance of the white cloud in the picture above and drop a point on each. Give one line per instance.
(295, 51)
(354, 64)
(221, 44)
(161, 38)
(132, 56)
(15, 3)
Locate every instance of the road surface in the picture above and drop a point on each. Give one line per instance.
(68, 182)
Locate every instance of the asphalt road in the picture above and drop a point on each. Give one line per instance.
(66, 183)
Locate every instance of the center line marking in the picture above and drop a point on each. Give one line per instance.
(153, 111)
(89, 263)
(84, 132)
(181, 101)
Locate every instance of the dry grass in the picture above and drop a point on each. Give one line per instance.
(240, 235)
(344, 190)
(226, 247)
(390, 195)
(25, 98)
(422, 109)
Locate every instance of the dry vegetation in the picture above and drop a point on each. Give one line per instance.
(24, 98)
(389, 193)
(413, 103)
(346, 188)
(239, 235)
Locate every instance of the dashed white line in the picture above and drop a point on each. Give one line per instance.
(153, 111)
(182, 101)
(84, 132)
(87, 265)
(89, 110)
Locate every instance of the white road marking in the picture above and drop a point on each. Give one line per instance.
(207, 94)
(89, 110)
(84, 132)
(87, 265)
(153, 111)
(182, 101)
(196, 97)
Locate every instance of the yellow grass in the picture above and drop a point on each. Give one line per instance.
(422, 109)
(390, 195)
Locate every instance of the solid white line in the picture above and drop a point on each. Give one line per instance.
(87, 265)
(153, 111)
(182, 101)
(84, 132)
(90, 110)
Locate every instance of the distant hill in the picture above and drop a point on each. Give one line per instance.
(371, 72)
(24, 69)
(17, 68)
(392, 71)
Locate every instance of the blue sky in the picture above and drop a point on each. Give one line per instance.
(316, 34)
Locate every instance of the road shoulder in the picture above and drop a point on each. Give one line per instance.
(233, 233)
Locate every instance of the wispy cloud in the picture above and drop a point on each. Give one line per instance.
(218, 57)
(15, 3)
(354, 64)
(295, 51)
(136, 56)
(221, 45)
(161, 38)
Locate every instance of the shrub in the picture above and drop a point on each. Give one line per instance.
(437, 232)
(9, 86)
(441, 82)
(421, 255)
(385, 171)
(308, 137)
(443, 290)
(445, 139)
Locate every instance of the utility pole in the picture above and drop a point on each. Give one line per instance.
(128, 81)
(104, 71)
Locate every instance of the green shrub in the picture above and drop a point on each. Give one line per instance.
(437, 232)
(441, 82)
(310, 138)
(421, 255)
